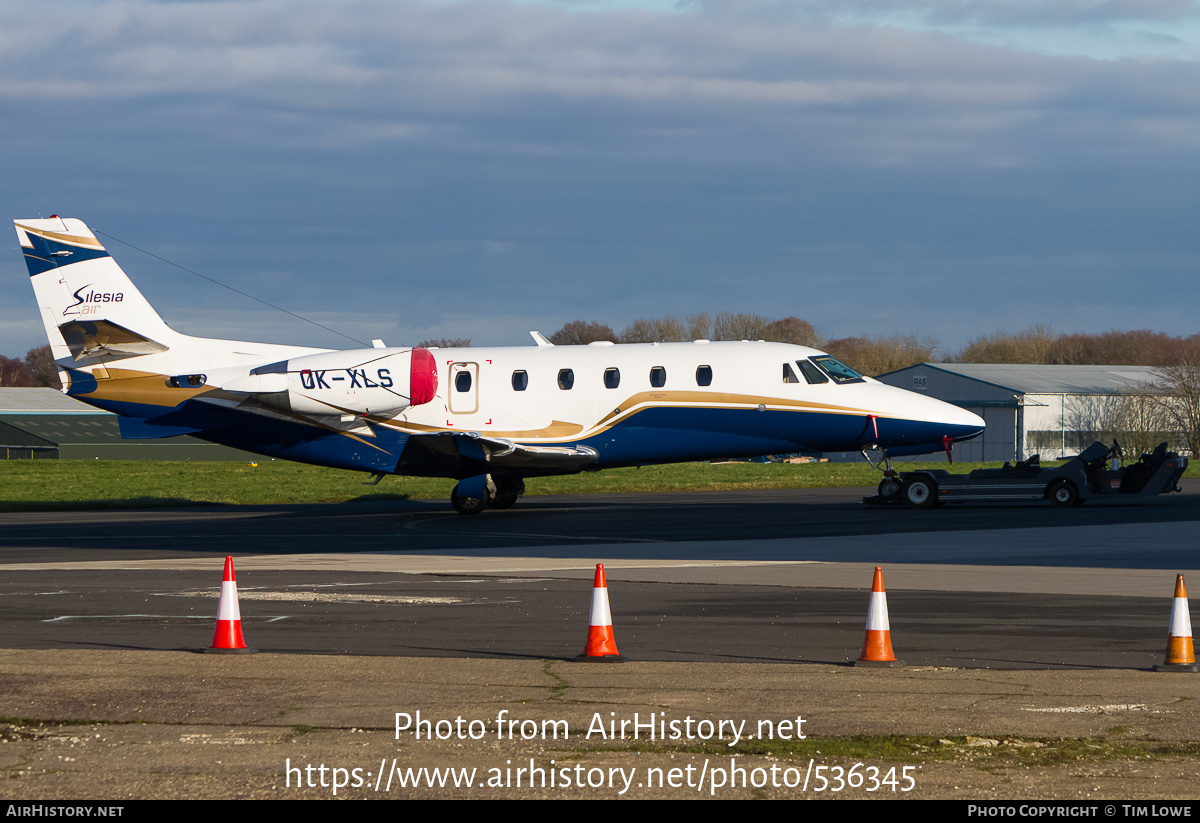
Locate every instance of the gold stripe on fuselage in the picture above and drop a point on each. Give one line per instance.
(643, 401)
(144, 388)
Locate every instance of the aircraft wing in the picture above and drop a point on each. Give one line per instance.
(466, 454)
(505, 454)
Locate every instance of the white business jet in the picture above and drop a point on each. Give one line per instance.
(487, 417)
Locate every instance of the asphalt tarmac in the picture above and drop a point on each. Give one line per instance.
(770, 576)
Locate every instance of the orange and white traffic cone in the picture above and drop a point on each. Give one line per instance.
(227, 639)
(877, 645)
(600, 646)
(1181, 656)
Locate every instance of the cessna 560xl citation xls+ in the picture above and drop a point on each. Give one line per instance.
(487, 417)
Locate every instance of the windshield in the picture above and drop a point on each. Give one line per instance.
(839, 371)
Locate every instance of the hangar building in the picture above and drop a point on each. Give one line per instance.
(1054, 411)
(46, 424)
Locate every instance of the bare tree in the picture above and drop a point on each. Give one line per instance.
(657, 330)
(1135, 418)
(729, 326)
(445, 343)
(699, 327)
(879, 355)
(1030, 346)
(1114, 348)
(1182, 382)
(793, 330)
(15, 374)
(1143, 421)
(582, 332)
(45, 371)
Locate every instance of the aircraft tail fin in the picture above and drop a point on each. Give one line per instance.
(91, 310)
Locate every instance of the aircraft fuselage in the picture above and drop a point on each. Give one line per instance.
(489, 417)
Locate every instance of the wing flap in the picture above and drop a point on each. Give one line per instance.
(521, 457)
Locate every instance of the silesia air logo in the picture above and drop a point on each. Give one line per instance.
(89, 303)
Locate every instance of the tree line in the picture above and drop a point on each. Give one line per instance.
(875, 355)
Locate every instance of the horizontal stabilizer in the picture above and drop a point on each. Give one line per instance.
(104, 338)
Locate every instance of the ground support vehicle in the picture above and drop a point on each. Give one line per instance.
(1091, 473)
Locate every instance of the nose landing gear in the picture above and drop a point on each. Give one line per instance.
(891, 485)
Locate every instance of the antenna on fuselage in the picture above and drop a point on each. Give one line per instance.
(540, 339)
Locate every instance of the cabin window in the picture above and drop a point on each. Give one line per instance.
(789, 376)
(566, 379)
(704, 376)
(811, 373)
(658, 377)
(612, 378)
(462, 381)
(520, 380)
(839, 371)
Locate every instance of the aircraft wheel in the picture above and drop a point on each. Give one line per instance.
(1062, 493)
(504, 501)
(505, 494)
(467, 505)
(889, 488)
(919, 493)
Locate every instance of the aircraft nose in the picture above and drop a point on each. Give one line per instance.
(958, 423)
(969, 423)
(922, 421)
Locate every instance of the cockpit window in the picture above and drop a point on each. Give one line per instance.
(839, 371)
(789, 376)
(811, 373)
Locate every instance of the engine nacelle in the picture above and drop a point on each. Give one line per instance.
(380, 382)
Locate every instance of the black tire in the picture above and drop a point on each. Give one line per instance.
(889, 488)
(467, 505)
(1062, 493)
(919, 493)
(507, 492)
(504, 501)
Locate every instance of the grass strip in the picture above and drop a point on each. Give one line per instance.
(64, 485)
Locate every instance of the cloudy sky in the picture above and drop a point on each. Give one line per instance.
(407, 169)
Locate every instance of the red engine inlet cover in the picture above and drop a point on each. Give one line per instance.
(422, 383)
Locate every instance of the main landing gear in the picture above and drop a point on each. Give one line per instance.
(474, 494)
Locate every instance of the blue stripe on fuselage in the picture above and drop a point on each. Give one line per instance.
(81, 383)
(665, 434)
